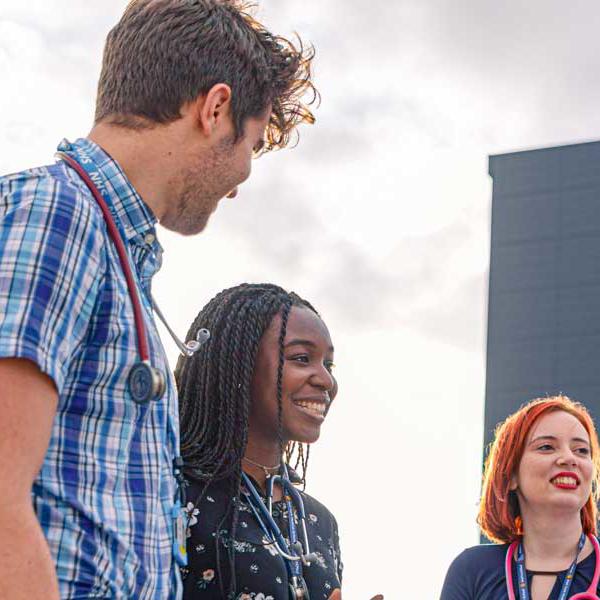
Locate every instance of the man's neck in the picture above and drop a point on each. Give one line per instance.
(145, 158)
(551, 540)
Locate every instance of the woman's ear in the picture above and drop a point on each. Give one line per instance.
(514, 484)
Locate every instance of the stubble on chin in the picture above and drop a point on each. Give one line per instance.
(201, 189)
(192, 207)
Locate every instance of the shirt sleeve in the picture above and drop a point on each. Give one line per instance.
(458, 584)
(336, 548)
(50, 259)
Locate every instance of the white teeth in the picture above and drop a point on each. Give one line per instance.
(565, 480)
(316, 407)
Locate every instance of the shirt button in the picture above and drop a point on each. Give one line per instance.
(149, 238)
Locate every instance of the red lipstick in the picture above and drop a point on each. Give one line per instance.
(565, 480)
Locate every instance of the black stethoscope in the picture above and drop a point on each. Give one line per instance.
(145, 381)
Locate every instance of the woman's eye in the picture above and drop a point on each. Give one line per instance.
(583, 451)
(302, 358)
(545, 447)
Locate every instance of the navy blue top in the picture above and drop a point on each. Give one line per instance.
(478, 574)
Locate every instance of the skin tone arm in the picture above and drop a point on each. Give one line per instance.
(28, 401)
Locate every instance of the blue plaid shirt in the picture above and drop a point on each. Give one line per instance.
(105, 492)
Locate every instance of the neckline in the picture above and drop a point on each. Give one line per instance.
(562, 573)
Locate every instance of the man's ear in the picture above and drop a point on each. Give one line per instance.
(213, 110)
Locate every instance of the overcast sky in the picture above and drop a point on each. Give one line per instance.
(380, 217)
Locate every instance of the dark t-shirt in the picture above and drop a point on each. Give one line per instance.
(478, 574)
(260, 571)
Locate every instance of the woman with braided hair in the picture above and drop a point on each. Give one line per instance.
(251, 400)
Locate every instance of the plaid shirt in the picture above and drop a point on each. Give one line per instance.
(105, 492)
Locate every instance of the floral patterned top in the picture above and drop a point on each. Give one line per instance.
(260, 571)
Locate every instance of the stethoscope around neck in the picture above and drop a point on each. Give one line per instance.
(589, 594)
(145, 381)
(295, 553)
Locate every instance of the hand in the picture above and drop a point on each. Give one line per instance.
(337, 595)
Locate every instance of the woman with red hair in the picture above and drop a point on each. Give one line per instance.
(538, 505)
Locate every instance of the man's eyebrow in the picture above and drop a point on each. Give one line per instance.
(554, 438)
(300, 342)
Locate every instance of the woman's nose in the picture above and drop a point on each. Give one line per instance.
(323, 378)
(567, 457)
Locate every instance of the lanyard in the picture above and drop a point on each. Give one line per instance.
(296, 565)
(288, 493)
(272, 530)
(522, 574)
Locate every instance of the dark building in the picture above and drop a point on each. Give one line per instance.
(544, 289)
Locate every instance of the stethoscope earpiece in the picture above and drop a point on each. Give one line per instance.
(188, 348)
(193, 346)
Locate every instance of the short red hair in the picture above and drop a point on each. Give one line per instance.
(499, 515)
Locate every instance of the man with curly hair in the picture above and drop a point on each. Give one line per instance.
(190, 91)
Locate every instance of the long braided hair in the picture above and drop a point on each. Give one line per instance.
(215, 394)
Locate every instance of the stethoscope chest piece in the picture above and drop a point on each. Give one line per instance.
(146, 383)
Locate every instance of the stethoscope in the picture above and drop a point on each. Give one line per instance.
(296, 553)
(516, 547)
(145, 382)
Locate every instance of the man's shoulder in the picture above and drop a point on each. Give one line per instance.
(48, 190)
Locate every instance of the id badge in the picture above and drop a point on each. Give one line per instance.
(179, 530)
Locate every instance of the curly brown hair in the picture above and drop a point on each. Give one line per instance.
(164, 53)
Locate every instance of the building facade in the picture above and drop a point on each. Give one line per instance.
(544, 287)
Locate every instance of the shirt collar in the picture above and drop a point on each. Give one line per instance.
(135, 215)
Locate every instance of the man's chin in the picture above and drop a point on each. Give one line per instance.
(186, 227)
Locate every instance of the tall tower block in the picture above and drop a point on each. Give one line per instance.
(544, 287)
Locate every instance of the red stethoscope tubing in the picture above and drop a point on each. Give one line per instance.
(590, 594)
(143, 349)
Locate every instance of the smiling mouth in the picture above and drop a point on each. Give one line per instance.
(565, 481)
(315, 408)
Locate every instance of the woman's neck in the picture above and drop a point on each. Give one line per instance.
(261, 459)
(551, 541)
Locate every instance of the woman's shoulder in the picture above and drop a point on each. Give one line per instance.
(476, 573)
(483, 554)
(479, 559)
(208, 498)
(316, 507)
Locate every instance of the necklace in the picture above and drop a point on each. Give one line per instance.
(265, 468)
